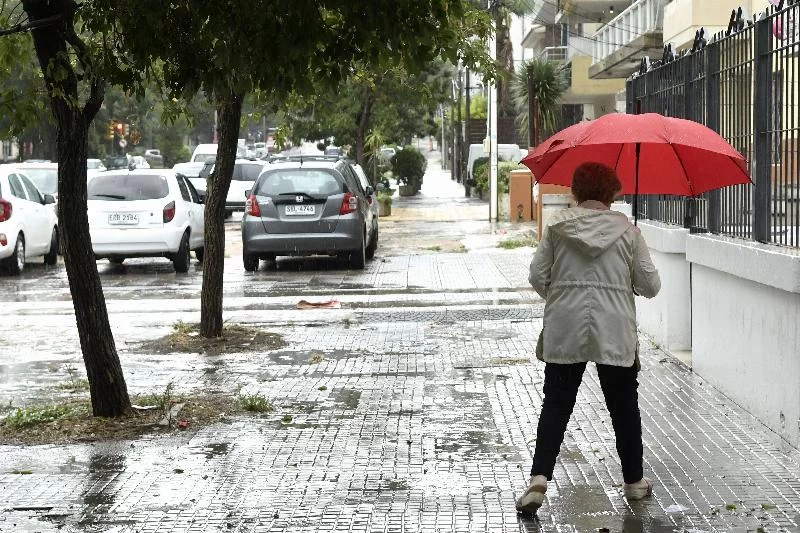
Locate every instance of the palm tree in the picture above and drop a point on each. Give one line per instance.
(501, 11)
(549, 83)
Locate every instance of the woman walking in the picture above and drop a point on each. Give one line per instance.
(590, 263)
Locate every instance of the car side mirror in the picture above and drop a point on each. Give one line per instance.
(370, 191)
(49, 199)
(247, 193)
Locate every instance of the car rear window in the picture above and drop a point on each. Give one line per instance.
(314, 182)
(128, 187)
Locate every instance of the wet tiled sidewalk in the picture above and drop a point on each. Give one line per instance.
(421, 426)
(411, 409)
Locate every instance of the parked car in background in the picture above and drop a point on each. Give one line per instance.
(245, 172)
(28, 225)
(387, 152)
(373, 206)
(505, 152)
(117, 162)
(43, 175)
(137, 161)
(334, 151)
(154, 158)
(207, 153)
(307, 206)
(95, 165)
(145, 213)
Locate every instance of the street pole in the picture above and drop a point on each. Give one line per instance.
(467, 139)
(493, 214)
(442, 148)
(531, 112)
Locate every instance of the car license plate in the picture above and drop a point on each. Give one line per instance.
(300, 210)
(123, 219)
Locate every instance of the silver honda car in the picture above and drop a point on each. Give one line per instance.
(309, 205)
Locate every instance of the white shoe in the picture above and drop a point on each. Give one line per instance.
(533, 497)
(641, 489)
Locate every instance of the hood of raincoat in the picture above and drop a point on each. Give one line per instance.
(592, 231)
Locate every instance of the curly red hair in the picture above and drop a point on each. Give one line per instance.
(595, 181)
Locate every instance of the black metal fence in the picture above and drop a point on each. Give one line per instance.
(744, 84)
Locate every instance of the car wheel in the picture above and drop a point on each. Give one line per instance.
(182, 258)
(116, 260)
(199, 254)
(16, 263)
(358, 258)
(250, 262)
(51, 258)
(373, 244)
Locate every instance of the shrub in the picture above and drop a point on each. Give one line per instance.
(409, 166)
(481, 174)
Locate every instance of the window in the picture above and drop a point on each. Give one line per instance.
(251, 172)
(192, 191)
(128, 187)
(33, 193)
(351, 179)
(315, 182)
(16, 187)
(184, 190)
(45, 179)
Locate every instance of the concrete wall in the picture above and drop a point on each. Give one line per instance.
(736, 305)
(667, 317)
(745, 335)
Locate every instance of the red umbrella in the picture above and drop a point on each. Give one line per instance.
(651, 153)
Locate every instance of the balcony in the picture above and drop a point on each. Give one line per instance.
(578, 11)
(620, 44)
(682, 19)
(554, 54)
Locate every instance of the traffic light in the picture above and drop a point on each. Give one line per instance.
(127, 129)
(120, 128)
(110, 132)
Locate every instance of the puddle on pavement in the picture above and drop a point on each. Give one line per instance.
(307, 357)
(588, 508)
(212, 450)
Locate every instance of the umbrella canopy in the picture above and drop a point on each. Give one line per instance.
(674, 156)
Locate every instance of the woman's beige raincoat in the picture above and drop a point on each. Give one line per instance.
(587, 267)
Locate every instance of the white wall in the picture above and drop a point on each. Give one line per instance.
(667, 317)
(736, 305)
(745, 335)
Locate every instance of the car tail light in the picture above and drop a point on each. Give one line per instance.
(251, 207)
(169, 212)
(349, 204)
(3, 239)
(5, 210)
(369, 199)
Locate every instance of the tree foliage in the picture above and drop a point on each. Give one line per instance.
(549, 83)
(229, 49)
(395, 103)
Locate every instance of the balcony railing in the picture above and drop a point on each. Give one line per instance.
(640, 18)
(555, 54)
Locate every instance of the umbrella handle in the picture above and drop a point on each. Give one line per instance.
(636, 193)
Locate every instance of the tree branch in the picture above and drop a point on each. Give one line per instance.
(22, 28)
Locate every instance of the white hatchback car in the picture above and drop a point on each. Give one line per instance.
(28, 225)
(145, 213)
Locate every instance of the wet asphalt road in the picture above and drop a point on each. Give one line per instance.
(413, 408)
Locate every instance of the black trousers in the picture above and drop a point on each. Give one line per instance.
(619, 386)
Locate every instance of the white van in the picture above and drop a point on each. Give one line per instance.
(207, 153)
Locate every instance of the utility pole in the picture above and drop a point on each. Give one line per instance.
(493, 196)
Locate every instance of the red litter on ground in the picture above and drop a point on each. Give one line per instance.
(329, 304)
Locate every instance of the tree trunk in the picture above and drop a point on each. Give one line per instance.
(505, 59)
(363, 124)
(229, 115)
(106, 382)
